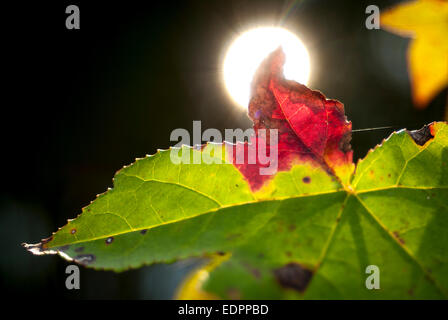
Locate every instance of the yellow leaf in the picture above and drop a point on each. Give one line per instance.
(426, 21)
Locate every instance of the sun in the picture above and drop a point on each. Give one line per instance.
(248, 51)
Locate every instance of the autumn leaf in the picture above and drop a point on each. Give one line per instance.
(312, 129)
(307, 231)
(426, 22)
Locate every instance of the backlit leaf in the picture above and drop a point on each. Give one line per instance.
(308, 231)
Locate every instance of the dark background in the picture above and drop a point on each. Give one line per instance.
(81, 104)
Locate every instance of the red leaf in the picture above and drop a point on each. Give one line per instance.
(311, 129)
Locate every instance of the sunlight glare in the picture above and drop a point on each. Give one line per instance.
(248, 51)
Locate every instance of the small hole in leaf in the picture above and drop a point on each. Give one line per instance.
(421, 136)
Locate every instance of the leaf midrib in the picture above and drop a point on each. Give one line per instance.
(236, 205)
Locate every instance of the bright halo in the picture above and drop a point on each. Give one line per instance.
(251, 48)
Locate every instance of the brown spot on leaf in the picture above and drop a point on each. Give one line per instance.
(293, 276)
(422, 135)
(234, 294)
(144, 231)
(73, 231)
(288, 253)
(109, 240)
(306, 179)
(397, 235)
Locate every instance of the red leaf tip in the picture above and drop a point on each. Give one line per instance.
(311, 128)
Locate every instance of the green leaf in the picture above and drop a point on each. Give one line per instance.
(302, 236)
